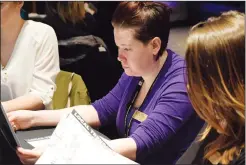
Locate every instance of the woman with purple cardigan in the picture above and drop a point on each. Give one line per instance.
(154, 117)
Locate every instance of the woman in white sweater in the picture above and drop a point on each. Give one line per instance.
(29, 60)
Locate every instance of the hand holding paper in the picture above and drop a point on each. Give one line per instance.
(29, 156)
(75, 142)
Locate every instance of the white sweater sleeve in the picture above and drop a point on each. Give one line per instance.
(46, 67)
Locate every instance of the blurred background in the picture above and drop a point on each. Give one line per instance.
(103, 66)
(184, 15)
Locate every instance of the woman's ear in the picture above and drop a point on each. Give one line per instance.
(156, 45)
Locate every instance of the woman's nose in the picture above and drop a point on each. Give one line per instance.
(121, 57)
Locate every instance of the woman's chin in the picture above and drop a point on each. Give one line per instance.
(128, 72)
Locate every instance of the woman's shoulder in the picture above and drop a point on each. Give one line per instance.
(38, 26)
(39, 31)
(173, 69)
(176, 60)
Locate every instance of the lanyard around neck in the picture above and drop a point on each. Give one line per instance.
(130, 104)
(133, 99)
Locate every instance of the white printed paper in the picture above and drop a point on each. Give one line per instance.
(39, 142)
(75, 142)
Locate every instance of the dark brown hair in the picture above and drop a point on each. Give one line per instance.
(68, 11)
(215, 57)
(149, 19)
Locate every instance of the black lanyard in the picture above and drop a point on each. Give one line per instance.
(133, 99)
(134, 96)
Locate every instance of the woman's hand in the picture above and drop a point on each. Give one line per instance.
(29, 157)
(22, 119)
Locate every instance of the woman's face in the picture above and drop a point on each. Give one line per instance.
(9, 12)
(135, 57)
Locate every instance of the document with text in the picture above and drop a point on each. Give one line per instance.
(75, 142)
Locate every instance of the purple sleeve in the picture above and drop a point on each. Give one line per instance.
(107, 107)
(172, 110)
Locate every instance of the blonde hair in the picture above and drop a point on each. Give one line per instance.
(215, 57)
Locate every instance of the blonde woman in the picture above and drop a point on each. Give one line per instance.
(215, 59)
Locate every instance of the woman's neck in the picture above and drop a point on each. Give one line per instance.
(150, 77)
(10, 31)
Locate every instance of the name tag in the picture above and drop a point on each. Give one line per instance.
(140, 116)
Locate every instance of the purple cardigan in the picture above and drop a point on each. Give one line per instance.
(171, 125)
